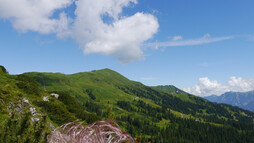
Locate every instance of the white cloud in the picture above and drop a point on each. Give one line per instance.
(240, 84)
(35, 15)
(206, 87)
(121, 38)
(178, 41)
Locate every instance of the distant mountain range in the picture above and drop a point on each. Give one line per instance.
(243, 100)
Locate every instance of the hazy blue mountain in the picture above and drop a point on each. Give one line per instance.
(243, 100)
(213, 98)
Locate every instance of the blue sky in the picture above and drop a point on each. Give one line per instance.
(220, 61)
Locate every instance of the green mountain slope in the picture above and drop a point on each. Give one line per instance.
(29, 114)
(170, 88)
(145, 112)
(114, 96)
(243, 100)
(107, 86)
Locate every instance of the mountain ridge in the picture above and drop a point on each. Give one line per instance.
(107, 84)
(243, 100)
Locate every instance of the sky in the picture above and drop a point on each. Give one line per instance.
(202, 46)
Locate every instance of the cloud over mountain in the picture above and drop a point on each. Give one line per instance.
(207, 87)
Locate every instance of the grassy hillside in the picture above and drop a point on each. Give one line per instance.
(108, 87)
(29, 114)
(145, 112)
(137, 107)
(170, 88)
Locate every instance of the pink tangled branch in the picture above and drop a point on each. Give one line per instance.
(97, 132)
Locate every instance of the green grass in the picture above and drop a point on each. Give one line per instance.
(163, 123)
